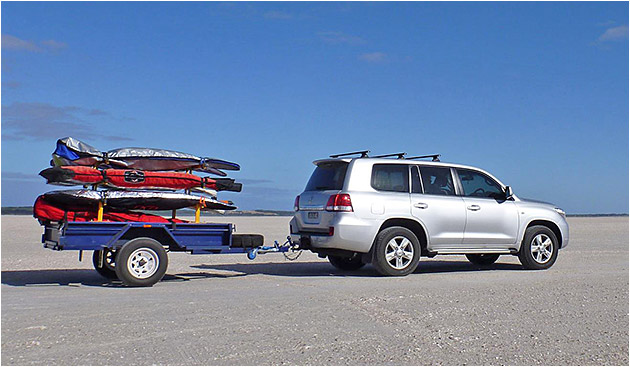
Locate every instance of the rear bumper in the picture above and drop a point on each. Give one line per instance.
(350, 234)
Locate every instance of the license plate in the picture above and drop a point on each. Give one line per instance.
(313, 215)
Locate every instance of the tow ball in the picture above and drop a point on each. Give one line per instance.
(286, 248)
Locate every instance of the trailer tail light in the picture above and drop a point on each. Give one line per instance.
(296, 203)
(339, 203)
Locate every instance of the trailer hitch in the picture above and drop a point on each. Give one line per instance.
(290, 250)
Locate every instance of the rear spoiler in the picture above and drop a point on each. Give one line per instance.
(331, 160)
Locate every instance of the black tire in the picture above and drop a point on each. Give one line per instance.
(531, 261)
(380, 262)
(482, 259)
(108, 270)
(132, 258)
(346, 263)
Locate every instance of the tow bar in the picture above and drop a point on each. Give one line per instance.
(291, 251)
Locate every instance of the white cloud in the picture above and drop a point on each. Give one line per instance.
(374, 57)
(339, 38)
(10, 42)
(607, 23)
(277, 14)
(54, 45)
(43, 121)
(614, 34)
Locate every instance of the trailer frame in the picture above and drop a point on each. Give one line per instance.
(110, 238)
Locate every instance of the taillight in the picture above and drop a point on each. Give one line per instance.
(339, 203)
(296, 203)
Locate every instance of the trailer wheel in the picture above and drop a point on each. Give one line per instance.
(141, 262)
(108, 270)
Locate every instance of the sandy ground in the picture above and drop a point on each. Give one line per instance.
(226, 309)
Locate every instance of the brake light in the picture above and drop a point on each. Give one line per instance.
(296, 203)
(339, 203)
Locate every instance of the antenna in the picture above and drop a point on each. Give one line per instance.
(434, 157)
(399, 155)
(364, 154)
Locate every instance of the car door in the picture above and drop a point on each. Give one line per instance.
(435, 203)
(491, 220)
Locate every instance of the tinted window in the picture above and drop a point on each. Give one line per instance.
(416, 187)
(477, 184)
(437, 180)
(327, 176)
(390, 177)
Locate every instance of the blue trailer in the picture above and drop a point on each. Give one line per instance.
(137, 252)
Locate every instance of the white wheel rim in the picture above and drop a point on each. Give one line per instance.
(541, 248)
(143, 263)
(399, 252)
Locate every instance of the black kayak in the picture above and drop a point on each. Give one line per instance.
(131, 200)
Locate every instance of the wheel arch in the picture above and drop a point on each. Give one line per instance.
(411, 224)
(159, 234)
(546, 223)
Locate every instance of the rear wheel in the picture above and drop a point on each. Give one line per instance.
(396, 252)
(482, 259)
(346, 263)
(141, 262)
(539, 249)
(106, 268)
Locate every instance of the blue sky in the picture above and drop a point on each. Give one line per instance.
(536, 93)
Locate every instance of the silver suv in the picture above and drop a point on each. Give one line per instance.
(389, 212)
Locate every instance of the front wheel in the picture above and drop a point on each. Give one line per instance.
(539, 249)
(396, 252)
(482, 259)
(106, 267)
(141, 262)
(346, 263)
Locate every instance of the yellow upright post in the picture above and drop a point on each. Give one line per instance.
(197, 213)
(99, 217)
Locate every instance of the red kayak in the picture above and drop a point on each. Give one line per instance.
(45, 211)
(125, 178)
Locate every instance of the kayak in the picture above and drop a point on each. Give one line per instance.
(88, 200)
(73, 152)
(45, 211)
(122, 178)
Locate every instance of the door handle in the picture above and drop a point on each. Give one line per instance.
(474, 208)
(421, 205)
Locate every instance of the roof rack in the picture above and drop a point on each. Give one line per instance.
(434, 157)
(399, 155)
(364, 154)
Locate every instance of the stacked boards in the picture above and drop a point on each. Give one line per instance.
(121, 180)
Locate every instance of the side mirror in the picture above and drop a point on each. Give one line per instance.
(508, 192)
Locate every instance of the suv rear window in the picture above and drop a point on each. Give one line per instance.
(327, 176)
(390, 177)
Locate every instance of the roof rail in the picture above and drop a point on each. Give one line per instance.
(399, 155)
(434, 157)
(364, 154)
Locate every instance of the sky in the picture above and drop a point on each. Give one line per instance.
(535, 93)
